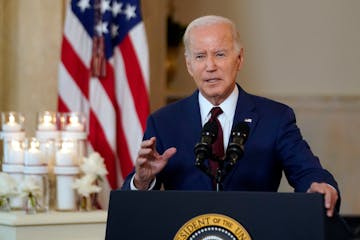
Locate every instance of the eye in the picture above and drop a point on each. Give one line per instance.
(199, 56)
(220, 54)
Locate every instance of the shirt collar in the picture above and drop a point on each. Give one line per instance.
(228, 106)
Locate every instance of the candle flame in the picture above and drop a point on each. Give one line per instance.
(34, 144)
(74, 120)
(11, 119)
(47, 119)
(16, 145)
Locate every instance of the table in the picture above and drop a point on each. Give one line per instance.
(17, 225)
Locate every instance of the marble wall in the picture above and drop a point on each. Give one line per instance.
(30, 38)
(331, 126)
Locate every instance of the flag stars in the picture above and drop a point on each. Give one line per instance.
(83, 5)
(114, 30)
(105, 6)
(116, 8)
(130, 11)
(102, 28)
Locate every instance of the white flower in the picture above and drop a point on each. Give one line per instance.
(94, 165)
(85, 185)
(8, 186)
(31, 186)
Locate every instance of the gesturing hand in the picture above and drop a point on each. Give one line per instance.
(149, 163)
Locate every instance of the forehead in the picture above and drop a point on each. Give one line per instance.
(211, 36)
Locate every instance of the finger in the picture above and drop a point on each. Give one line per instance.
(316, 188)
(153, 143)
(141, 161)
(328, 203)
(327, 198)
(147, 149)
(148, 143)
(169, 153)
(330, 196)
(145, 152)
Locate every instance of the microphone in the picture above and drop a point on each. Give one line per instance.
(203, 148)
(235, 148)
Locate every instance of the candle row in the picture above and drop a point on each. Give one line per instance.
(46, 121)
(33, 152)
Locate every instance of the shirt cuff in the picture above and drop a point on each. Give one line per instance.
(132, 185)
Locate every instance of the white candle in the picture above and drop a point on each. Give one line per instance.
(74, 124)
(11, 125)
(46, 126)
(65, 157)
(65, 192)
(16, 153)
(33, 156)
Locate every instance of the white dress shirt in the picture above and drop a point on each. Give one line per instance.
(226, 118)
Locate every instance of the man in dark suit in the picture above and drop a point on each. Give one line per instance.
(214, 56)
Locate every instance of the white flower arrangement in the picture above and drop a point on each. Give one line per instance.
(94, 166)
(8, 186)
(85, 185)
(94, 170)
(30, 186)
(31, 189)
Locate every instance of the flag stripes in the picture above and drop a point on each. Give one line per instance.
(117, 104)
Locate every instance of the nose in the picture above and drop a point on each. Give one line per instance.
(210, 64)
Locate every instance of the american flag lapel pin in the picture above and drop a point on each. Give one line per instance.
(248, 120)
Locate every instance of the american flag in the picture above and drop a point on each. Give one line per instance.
(104, 73)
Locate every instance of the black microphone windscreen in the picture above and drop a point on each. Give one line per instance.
(210, 127)
(242, 127)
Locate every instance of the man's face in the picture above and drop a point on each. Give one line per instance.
(213, 61)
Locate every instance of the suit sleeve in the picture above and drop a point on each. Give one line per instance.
(301, 166)
(149, 132)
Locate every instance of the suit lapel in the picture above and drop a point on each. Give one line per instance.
(245, 110)
(191, 113)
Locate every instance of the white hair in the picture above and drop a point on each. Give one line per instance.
(210, 20)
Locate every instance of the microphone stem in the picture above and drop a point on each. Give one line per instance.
(218, 177)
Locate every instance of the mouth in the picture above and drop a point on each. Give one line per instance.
(212, 80)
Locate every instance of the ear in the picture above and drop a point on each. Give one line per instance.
(241, 58)
(188, 65)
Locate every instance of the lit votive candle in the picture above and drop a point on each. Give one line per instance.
(74, 124)
(47, 124)
(33, 156)
(11, 125)
(46, 127)
(66, 155)
(16, 153)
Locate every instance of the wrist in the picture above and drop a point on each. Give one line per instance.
(142, 184)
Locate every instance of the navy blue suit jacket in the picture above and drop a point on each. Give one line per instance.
(275, 144)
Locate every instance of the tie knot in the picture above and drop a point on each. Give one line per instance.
(215, 111)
